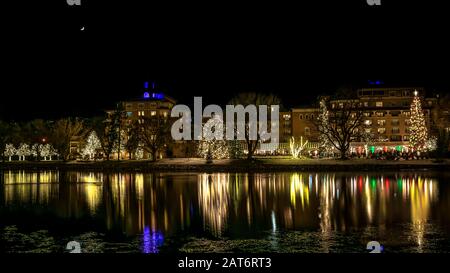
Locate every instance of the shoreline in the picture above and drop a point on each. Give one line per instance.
(229, 165)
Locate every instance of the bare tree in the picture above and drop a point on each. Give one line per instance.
(256, 99)
(344, 122)
(153, 132)
(107, 132)
(62, 132)
(132, 143)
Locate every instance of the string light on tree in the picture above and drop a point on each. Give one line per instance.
(297, 148)
(323, 119)
(431, 144)
(23, 151)
(10, 151)
(418, 128)
(47, 151)
(212, 146)
(91, 146)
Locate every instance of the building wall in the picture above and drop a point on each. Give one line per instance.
(303, 123)
(285, 128)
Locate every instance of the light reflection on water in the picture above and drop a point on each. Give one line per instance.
(156, 206)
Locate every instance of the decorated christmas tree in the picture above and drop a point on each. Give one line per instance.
(418, 129)
(325, 145)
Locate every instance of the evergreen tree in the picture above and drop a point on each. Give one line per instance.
(419, 133)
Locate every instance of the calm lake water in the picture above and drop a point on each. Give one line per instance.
(224, 212)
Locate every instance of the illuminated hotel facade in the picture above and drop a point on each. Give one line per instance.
(152, 104)
(386, 116)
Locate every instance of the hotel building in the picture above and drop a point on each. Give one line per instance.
(386, 114)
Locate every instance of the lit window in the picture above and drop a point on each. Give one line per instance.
(379, 104)
(381, 122)
(381, 130)
(368, 122)
(366, 104)
(153, 113)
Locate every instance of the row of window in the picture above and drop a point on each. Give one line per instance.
(142, 113)
(378, 104)
(306, 116)
(392, 93)
(392, 113)
(382, 130)
(141, 105)
(382, 122)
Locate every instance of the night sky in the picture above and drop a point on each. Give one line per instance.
(53, 69)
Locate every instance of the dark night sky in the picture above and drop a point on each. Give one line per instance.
(51, 68)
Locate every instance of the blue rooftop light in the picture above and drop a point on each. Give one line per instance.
(376, 82)
(158, 96)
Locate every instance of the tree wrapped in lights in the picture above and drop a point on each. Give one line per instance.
(52, 151)
(91, 146)
(235, 149)
(10, 151)
(139, 152)
(431, 144)
(45, 151)
(23, 151)
(418, 128)
(297, 148)
(36, 150)
(213, 146)
(325, 146)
